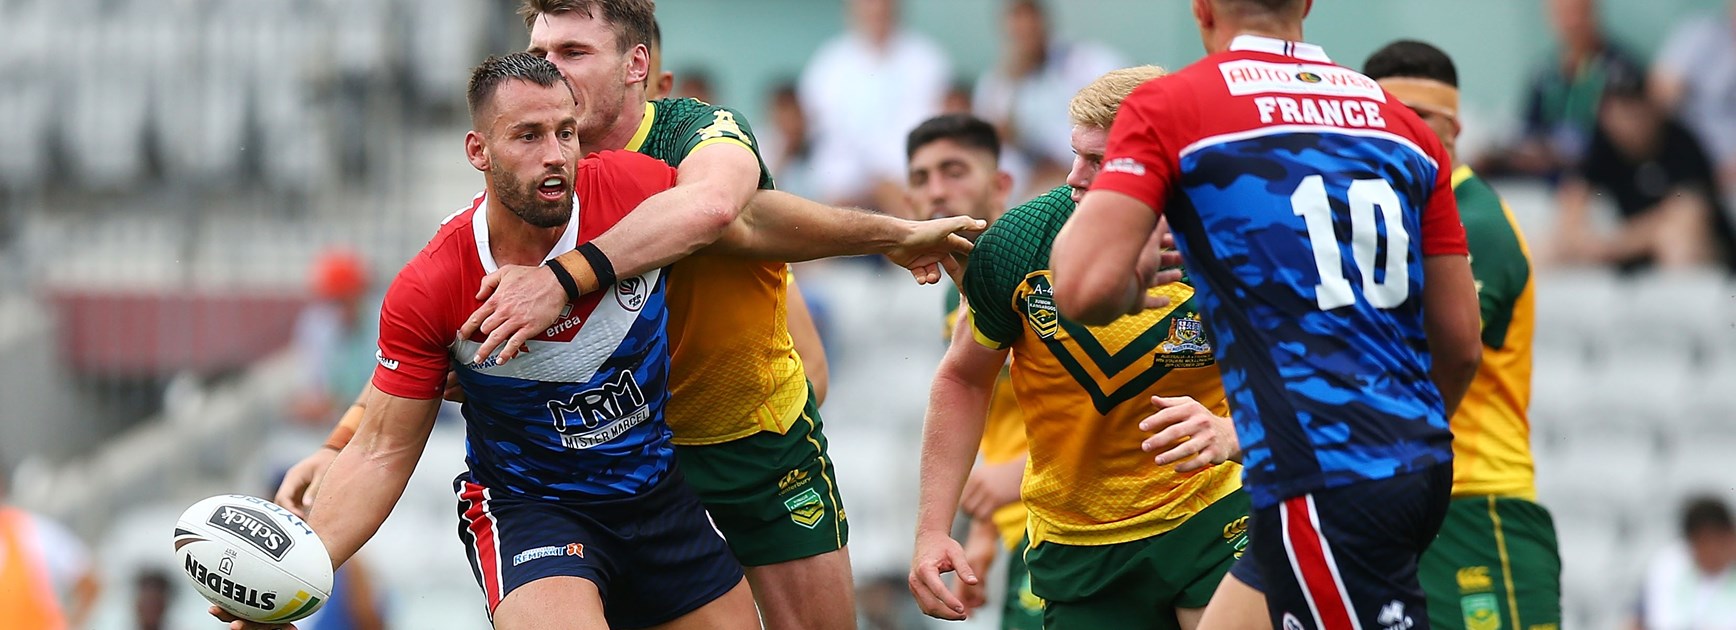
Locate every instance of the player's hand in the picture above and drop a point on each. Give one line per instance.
(990, 487)
(1188, 433)
(1159, 264)
(521, 302)
(928, 248)
(979, 550)
(237, 623)
(453, 392)
(938, 553)
(301, 484)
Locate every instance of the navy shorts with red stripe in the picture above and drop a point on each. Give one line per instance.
(654, 556)
(1346, 558)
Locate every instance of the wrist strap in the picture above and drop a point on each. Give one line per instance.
(340, 436)
(600, 264)
(565, 278)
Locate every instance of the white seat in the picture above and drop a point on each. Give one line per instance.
(1574, 309)
(1670, 314)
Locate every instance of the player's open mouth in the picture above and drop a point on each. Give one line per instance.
(552, 188)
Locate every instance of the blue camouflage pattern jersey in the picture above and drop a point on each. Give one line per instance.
(580, 414)
(1303, 202)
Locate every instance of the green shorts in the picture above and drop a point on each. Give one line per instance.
(774, 497)
(1496, 565)
(1023, 610)
(1139, 584)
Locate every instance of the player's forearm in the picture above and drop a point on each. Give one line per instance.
(351, 420)
(713, 184)
(368, 476)
(951, 433)
(1094, 258)
(1452, 320)
(777, 225)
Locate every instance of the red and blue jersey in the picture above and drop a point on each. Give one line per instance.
(579, 415)
(1303, 199)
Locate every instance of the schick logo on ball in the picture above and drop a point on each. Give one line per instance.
(254, 527)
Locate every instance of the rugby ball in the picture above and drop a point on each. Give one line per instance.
(252, 558)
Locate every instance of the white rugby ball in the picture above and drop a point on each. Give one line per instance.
(252, 558)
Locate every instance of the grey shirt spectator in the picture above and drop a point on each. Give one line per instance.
(1695, 75)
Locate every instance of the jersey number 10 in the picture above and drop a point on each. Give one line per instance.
(1365, 196)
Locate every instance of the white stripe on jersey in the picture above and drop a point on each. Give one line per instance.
(1320, 129)
(574, 361)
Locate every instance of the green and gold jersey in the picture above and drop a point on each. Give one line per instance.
(1084, 389)
(733, 367)
(1003, 435)
(1491, 429)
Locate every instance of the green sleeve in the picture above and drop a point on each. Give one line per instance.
(700, 124)
(1498, 259)
(1014, 247)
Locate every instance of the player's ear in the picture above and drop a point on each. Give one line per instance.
(638, 64)
(1003, 187)
(1202, 10)
(476, 151)
(1307, 7)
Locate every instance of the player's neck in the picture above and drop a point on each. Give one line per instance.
(621, 133)
(1274, 30)
(512, 241)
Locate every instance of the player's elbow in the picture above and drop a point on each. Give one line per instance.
(1086, 298)
(711, 218)
(1459, 360)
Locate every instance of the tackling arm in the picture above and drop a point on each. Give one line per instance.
(369, 475)
(1101, 272)
(780, 226)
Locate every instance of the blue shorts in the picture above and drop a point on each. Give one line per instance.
(654, 556)
(1331, 556)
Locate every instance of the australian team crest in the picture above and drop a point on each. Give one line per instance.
(1040, 309)
(1187, 345)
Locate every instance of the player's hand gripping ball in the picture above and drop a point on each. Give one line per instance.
(254, 559)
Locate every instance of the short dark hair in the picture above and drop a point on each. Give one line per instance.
(1706, 513)
(1411, 59)
(1267, 6)
(494, 71)
(964, 129)
(634, 21)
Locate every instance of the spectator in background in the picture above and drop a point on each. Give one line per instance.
(695, 83)
(861, 90)
(47, 580)
(1026, 94)
(1695, 77)
(786, 146)
(1693, 586)
(1561, 109)
(152, 596)
(334, 337)
(1661, 182)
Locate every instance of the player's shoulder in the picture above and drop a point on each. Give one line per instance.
(683, 109)
(1023, 235)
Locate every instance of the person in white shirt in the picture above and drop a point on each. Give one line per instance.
(861, 90)
(1026, 95)
(1695, 76)
(1692, 586)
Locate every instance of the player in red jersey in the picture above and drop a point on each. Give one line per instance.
(572, 509)
(1316, 216)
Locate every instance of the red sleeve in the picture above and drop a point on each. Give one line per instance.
(413, 358)
(1139, 162)
(1443, 233)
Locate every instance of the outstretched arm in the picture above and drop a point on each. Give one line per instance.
(369, 475)
(780, 226)
(713, 184)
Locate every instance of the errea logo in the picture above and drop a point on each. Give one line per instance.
(1124, 165)
(380, 355)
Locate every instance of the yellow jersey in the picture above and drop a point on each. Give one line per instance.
(1492, 428)
(733, 368)
(1084, 389)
